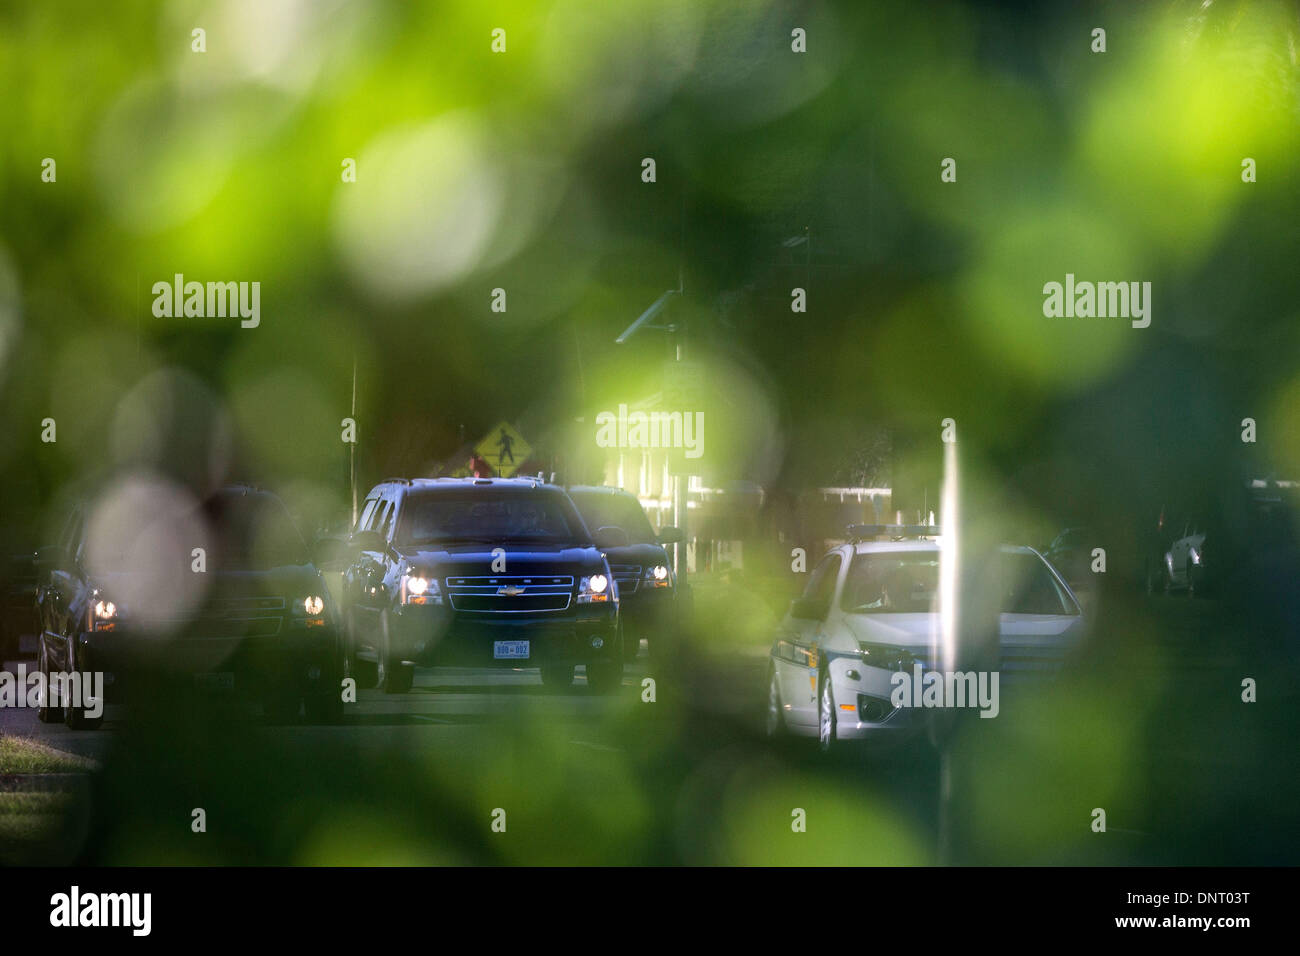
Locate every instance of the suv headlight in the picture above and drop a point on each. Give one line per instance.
(311, 609)
(420, 589)
(594, 589)
(658, 576)
(888, 656)
(103, 613)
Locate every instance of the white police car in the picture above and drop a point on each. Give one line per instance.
(871, 609)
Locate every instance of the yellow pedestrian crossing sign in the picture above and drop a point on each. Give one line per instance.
(504, 449)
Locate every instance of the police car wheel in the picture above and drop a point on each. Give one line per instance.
(775, 724)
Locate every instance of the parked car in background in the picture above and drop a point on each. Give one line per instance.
(262, 624)
(1185, 561)
(646, 583)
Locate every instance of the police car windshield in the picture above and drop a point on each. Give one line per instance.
(484, 516)
(602, 509)
(900, 582)
(897, 582)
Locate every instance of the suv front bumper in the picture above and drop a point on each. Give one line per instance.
(296, 660)
(437, 636)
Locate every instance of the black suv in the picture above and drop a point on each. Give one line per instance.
(135, 599)
(478, 572)
(646, 583)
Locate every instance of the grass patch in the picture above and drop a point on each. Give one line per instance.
(22, 755)
(29, 824)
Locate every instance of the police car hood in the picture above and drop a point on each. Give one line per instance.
(900, 630)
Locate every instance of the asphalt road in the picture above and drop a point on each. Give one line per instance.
(444, 703)
(449, 702)
(1169, 676)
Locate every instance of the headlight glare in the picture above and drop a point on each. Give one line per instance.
(419, 589)
(593, 589)
(658, 576)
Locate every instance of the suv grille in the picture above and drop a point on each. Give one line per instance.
(225, 618)
(510, 594)
(626, 576)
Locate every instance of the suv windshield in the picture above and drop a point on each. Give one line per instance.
(442, 518)
(252, 533)
(601, 509)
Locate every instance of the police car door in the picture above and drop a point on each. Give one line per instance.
(799, 682)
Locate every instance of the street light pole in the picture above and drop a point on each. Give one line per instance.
(352, 445)
(680, 489)
(680, 511)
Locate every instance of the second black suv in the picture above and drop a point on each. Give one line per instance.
(478, 572)
(646, 583)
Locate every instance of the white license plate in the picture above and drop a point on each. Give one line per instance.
(219, 680)
(510, 650)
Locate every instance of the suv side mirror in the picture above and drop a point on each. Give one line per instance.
(610, 536)
(809, 609)
(671, 535)
(368, 541)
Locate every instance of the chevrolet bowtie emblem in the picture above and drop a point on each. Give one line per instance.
(509, 591)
